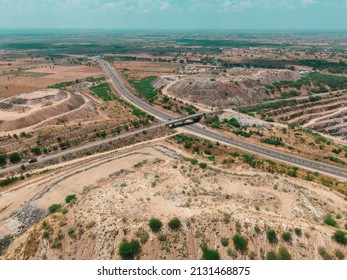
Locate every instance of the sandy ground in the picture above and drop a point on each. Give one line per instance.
(42, 77)
(147, 66)
(67, 179)
(118, 205)
(174, 79)
(40, 107)
(35, 106)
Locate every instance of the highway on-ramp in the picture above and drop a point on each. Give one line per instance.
(199, 130)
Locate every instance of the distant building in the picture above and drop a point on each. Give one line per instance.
(191, 69)
(304, 72)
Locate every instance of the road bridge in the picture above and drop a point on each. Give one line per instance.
(183, 121)
(217, 136)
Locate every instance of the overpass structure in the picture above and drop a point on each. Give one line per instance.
(182, 121)
(216, 136)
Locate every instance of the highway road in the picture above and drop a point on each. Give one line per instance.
(210, 134)
(43, 159)
(81, 148)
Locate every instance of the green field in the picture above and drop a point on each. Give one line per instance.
(93, 80)
(103, 91)
(318, 80)
(61, 85)
(145, 88)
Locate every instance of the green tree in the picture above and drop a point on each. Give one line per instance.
(70, 198)
(36, 151)
(155, 224)
(129, 250)
(284, 254)
(271, 255)
(175, 224)
(287, 237)
(240, 243)
(271, 236)
(224, 241)
(14, 157)
(328, 220)
(2, 159)
(208, 254)
(298, 232)
(54, 208)
(340, 237)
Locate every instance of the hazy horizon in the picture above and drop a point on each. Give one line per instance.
(224, 15)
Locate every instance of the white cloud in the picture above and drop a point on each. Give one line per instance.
(307, 2)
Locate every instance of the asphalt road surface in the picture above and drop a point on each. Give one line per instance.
(195, 129)
(207, 133)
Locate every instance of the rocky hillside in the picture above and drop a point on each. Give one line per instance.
(277, 217)
(238, 86)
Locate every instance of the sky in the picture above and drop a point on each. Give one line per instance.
(174, 14)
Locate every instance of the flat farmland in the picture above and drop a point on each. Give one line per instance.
(38, 77)
(143, 69)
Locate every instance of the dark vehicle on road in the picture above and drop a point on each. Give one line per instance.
(33, 160)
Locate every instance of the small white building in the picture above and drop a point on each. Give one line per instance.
(304, 72)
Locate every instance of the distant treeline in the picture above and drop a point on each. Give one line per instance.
(258, 63)
(225, 43)
(332, 67)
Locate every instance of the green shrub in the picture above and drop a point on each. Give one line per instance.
(8, 181)
(284, 254)
(155, 224)
(203, 165)
(63, 84)
(145, 88)
(2, 159)
(242, 133)
(56, 244)
(103, 91)
(142, 235)
(93, 79)
(226, 218)
(36, 151)
(240, 243)
(129, 250)
(298, 232)
(54, 208)
(14, 157)
(224, 241)
(45, 234)
(287, 237)
(251, 255)
(328, 220)
(340, 237)
(271, 236)
(208, 254)
(70, 198)
(161, 237)
(275, 142)
(271, 255)
(324, 254)
(71, 232)
(175, 224)
(339, 254)
(139, 164)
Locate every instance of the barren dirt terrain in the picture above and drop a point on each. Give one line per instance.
(25, 75)
(234, 87)
(86, 205)
(118, 195)
(30, 110)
